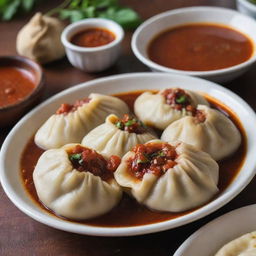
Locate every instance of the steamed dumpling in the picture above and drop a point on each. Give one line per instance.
(40, 39)
(117, 136)
(76, 182)
(241, 246)
(168, 177)
(208, 130)
(72, 122)
(163, 108)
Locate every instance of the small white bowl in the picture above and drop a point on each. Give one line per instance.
(211, 237)
(246, 7)
(233, 19)
(93, 59)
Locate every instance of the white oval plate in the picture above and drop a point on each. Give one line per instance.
(23, 131)
(212, 236)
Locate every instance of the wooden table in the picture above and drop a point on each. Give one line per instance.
(21, 235)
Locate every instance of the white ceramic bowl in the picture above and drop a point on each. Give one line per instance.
(211, 237)
(24, 130)
(93, 59)
(153, 26)
(246, 7)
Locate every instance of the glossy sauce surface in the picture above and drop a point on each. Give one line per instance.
(200, 47)
(15, 85)
(93, 37)
(128, 212)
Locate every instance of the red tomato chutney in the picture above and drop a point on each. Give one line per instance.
(93, 37)
(155, 158)
(131, 125)
(200, 47)
(66, 108)
(15, 85)
(87, 160)
(129, 212)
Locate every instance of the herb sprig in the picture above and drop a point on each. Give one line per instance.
(9, 8)
(75, 10)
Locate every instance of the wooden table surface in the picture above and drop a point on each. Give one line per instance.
(21, 235)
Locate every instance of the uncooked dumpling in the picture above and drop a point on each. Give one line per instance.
(241, 246)
(117, 136)
(209, 130)
(161, 109)
(168, 177)
(40, 39)
(76, 182)
(72, 122)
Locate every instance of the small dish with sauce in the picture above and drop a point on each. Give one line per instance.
(93, 45)
(209, 42)
(21, 84)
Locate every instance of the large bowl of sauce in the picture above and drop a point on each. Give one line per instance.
(21, 82)
(214, 43)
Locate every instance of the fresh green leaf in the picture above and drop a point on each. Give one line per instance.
(130, 122)
(28, 5)
(75, 157)
(119, 125)
(182, 99)
(73, 15)
(90, 12)
(10, 10)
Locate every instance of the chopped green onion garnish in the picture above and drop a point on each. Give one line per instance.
(119, 125)
(130, 122)
(181, 99)
(75, 156)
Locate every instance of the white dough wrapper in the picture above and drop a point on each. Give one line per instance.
(217, 135)
(152, 109)
(242, 246)
(108, 140)
(71, 193)
(61, 129)
(189, 184)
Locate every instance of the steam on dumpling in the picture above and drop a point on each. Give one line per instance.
(117, 136)
(77, 182)
(40, 39)
(72, 122)
(163, 108)
(241, 246)
(208, 129)
(168, 177)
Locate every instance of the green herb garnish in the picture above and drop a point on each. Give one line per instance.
(75, 157)
(75, 10)
(9, 8)
(130, 122)
(119, 125)
(182, 99)
(158, 154)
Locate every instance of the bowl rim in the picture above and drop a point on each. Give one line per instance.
(160, 68)
(68, 30)
(38, 86)
(134, 230)
(248, 4)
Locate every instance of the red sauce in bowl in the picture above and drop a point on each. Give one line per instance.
(93, 37)
(15, 85)
(200, 47)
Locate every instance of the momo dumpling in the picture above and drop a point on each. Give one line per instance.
(241, 246)
(168, 177)
(77, 182)
(161, 109)
(40, 39)
(72, 122)
(208, 130)
(117, 136)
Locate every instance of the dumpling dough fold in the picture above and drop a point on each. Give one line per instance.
(70, 193)
(109, 140)
(217, 135)
(61, 129)
(190, 183)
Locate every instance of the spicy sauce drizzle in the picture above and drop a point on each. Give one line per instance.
(128, 212)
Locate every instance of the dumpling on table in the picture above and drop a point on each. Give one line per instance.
(161, 109)
(207, 129)
(168, 177)
(242, 246)
(77, 182)
(71, 122)
(118, 135)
